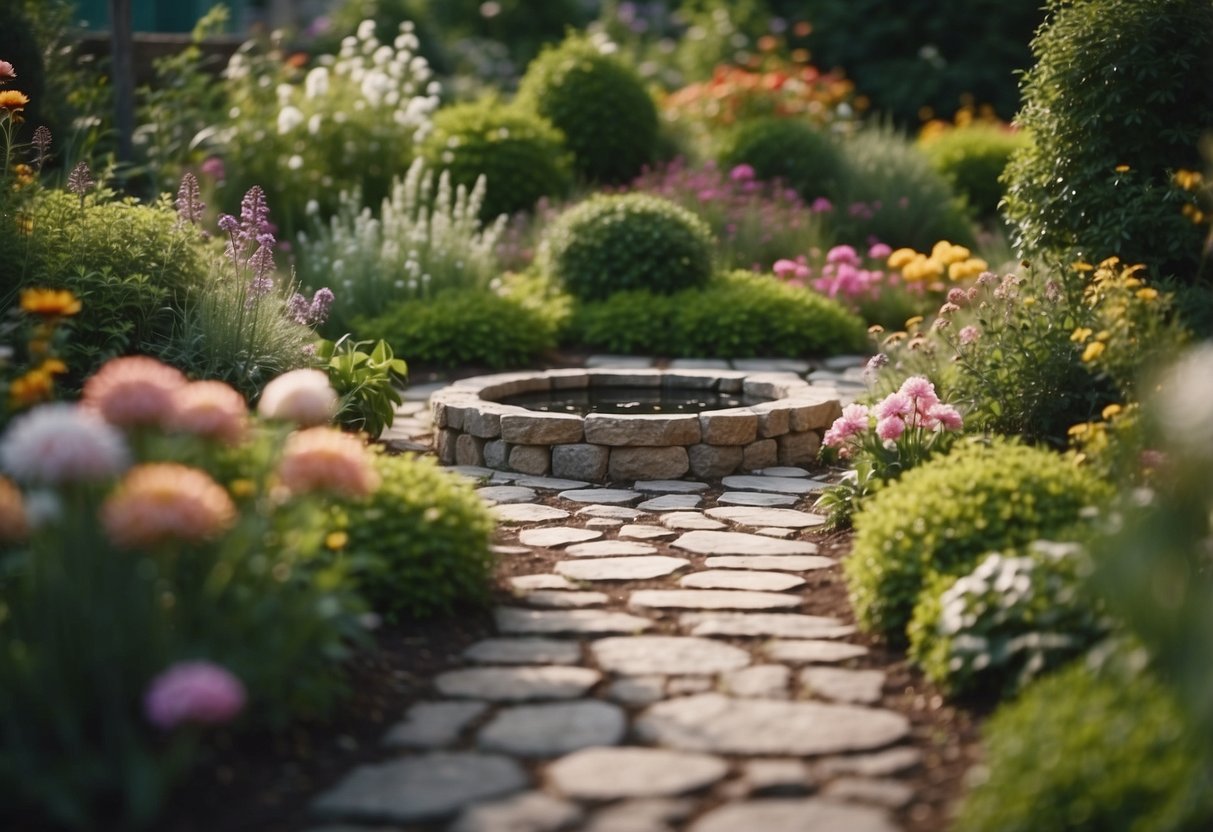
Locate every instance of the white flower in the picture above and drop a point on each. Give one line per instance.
(366, 30)
(316, 84)
(288, 119)
(295, 162)
(61, 443)
(301, 396)
(1185, 403)
(313, 124)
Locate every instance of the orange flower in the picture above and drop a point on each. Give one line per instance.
(324, 459)
(31, 388)
(13, 100)
(50, 303)
(163, 502)
(13, 525)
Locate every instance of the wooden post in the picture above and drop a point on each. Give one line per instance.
(123, 66)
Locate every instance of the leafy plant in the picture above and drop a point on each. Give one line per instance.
(972, 157)
(788, 149)
(365, 381)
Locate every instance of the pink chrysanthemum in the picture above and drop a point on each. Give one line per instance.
(162, 502)
(890, 428)
(133, 391)
(193, 692)
(324, 459)
(947, 417)
(304, 397)
(897, 405)
(211, 409)
(62, 443)
(921, 390)
(13, 524)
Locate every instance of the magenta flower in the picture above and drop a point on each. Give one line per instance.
(821, 205)
(193, 692)
(843, 254)
(213, 167)
(879, 251)
(742, 173)
(890, 429)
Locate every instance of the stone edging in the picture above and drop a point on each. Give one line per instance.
(472, 428)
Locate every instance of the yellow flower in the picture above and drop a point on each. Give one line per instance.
(1081, 335)
(1147, 294)
(1110, 411)
(31, 388)
(1193, 213)
(336, 540)
(875, 329)
(1082, 266)
(1093, 351)
(1189, 180)
(902, 257)
(1122, 168)
(1029, 301)
(1079, 429)
(13, 100)
(242, 488)
(913, 322)
(1109, 262)
(49, 302)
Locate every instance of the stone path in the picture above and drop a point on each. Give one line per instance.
(656, 672)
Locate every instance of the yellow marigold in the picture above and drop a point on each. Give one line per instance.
(1122, 168)
(1081, 334)
(13, 525)
(13, 100)
(1079, 429)
(50, 303)
(1147, 294)
(53, 366)
(1189, 180)
(901, 257)
(946, 253)
(967, 269)
(31, 388)
(1110, 411)
(164, 502)
(1082, 266)
(1093, 351)
(1109, 262)
(325, 459)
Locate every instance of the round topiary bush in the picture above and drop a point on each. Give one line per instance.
(791, 150)
(1117, 102)
(972, 158)
(941, 517)
(614, 242)
(1083, 751)
(420, 543)
(520, 154)
(600, 104)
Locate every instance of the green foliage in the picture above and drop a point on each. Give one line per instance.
(520, 154)
(365, 382)
(599, 103)
(791, 150)
(972, 158)
(1116, 103)
(890, 192)
(614, 242)
(420, 543)
(468, 328)
(941, 517)
(737, 315)
(1013, 618)
(1086, 751)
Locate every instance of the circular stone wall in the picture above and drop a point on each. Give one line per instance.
(473, 428)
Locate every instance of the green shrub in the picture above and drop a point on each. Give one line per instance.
(972, 158)
(890, 192)
(1090, 752)
(468, 328)
(599, 103)
(1117, 101)
(1008, 621)
(611, 243)
(520, 154)
(420, 543)
(631, 322)
(794, 151)
(941, 517)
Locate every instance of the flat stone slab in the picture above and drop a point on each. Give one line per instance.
(550, 483)
(641, 531)
(433, 724)
(723, 725)
(741, 579)
(529, 583)
(639, 655)
(755, 498)
(610, 512)
(844, 685)
(671, 502)
(506, 494)
(637, 690)
(654, 814)
(615, 773)
(690, 520)
(783, 471)
(889, 793)
(812, 651)
(876, 764)
(740, 543)
(780, 485)
(608, 496)
(782, 563)
(670, 486)
(640, 568)
(711, 599)
(610, 549)
(553, 536)
(523, 651)
(564, 599)
(515, 513)
(783, 518)
(517, 684)
(499, 549)
(553, 729)
(762, 681)
(763, 624)
(603, 523)
(421, 788)
(548, 622)
(473, 472)
(793, 815)
(527, 812)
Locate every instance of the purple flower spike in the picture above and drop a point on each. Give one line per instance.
(322, 302)
(189, 201)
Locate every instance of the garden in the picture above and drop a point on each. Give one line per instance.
(284, 545)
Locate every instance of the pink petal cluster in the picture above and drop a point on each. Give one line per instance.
(854, 421)
(914, 405)
(325, 459)
(62, 443)
(135, 391)
(304, 397)
(210, 409)
(165, 502)
(793, 271)
(197, 692)
(968, 334)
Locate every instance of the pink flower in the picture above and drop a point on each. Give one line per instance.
(852, 422)
(304, 397)
(821, 205)
(843, 254)
(133, 391)
(957, 296)
(62, 443)
(947, 417)
(968, 335)
(890, 428)
(164, 502)
(742, 173)
(879, 251)
(894, 405)
(211, 409)
(921, 390)
(6, 71)
(324, 459)
(790, 270)
(193, 692)
(948, 309)
(213, 167)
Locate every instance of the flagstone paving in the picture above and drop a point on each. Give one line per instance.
(692, 693)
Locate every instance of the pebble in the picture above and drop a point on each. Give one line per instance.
(541, 622)
(711, 599)
(811, 651)
(784, 518)
(600, 495)
(514, 684)
(671, 502)
(616, 773)
(640, 655)
(783, 625)
(515, 513)
(779, 485)
(553, 729)
(610, 549)
(523, 651)
(554, 536)
(842, 684)
(785, 563)
(640, 568)
(433, 724)
(526, 812)
(751, 498)
(689, 520)
(741, 543)
(506, 494)
(740, 579)
(793, 815)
